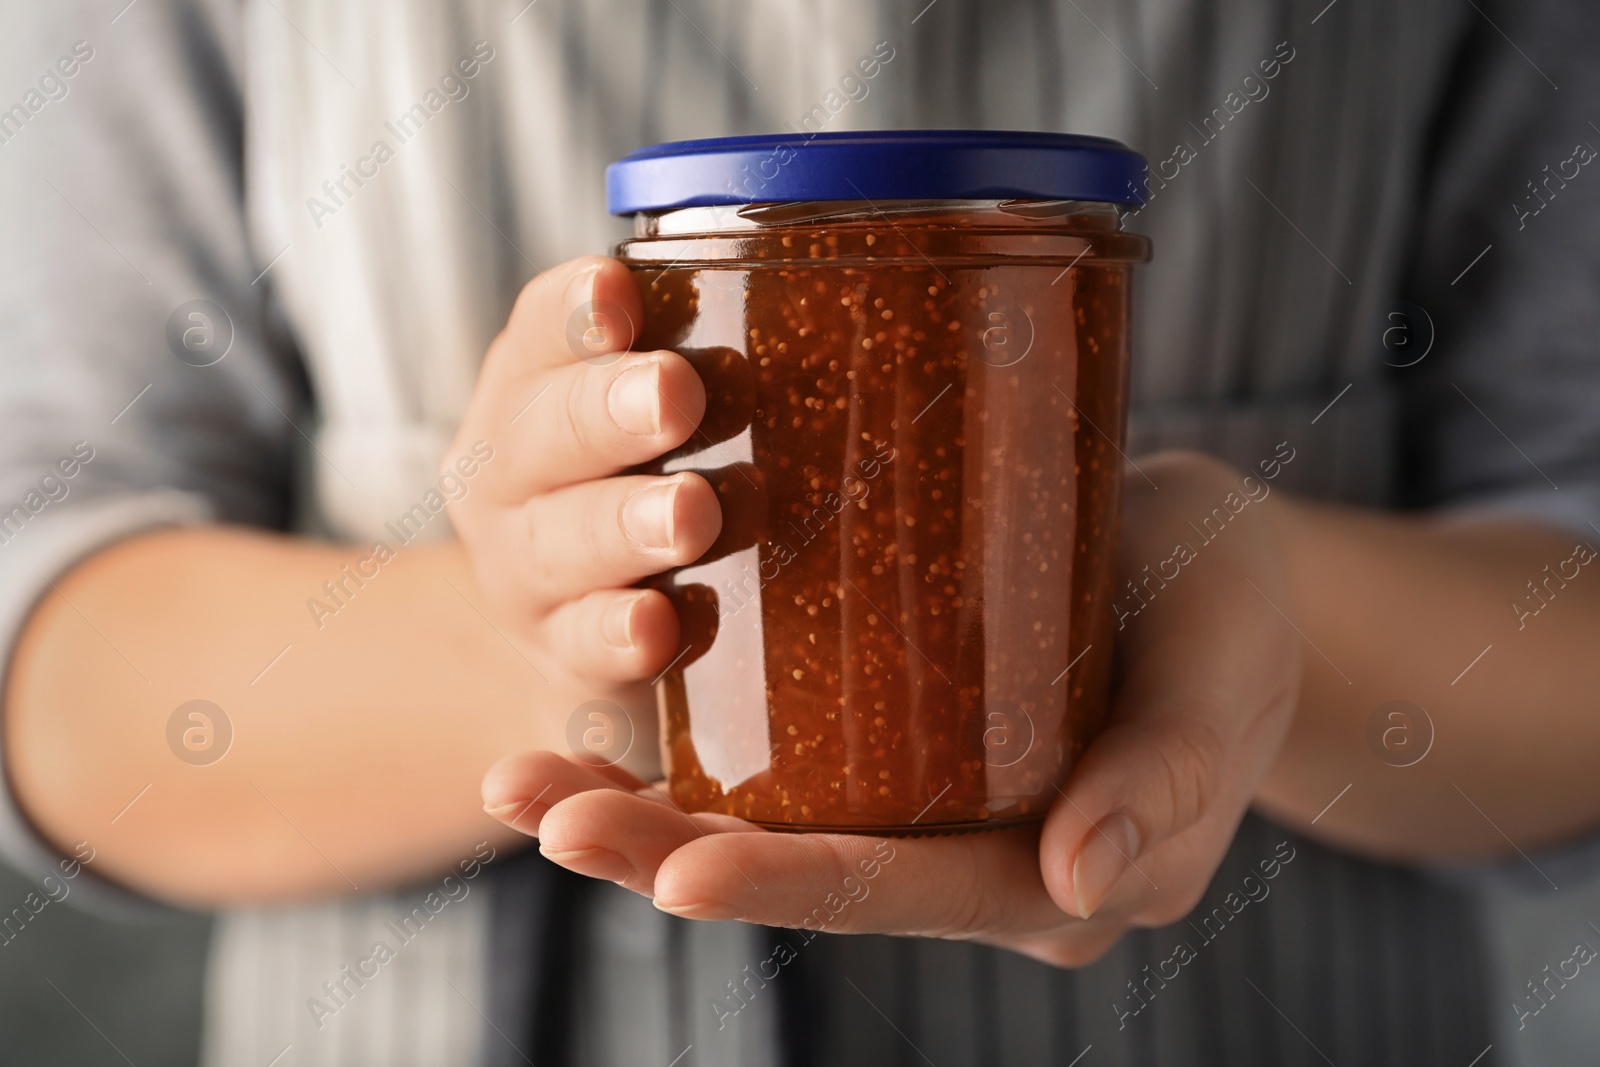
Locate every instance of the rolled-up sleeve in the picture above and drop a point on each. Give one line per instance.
(1503, 413)
(145, 379)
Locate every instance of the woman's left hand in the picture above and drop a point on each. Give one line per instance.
(1209, 675)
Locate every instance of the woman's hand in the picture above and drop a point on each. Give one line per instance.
(1209, 672)
(555, 535)
(371, 735)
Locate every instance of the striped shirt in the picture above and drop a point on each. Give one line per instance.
(1315, 169)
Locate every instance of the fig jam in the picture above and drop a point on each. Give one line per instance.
(913, 425)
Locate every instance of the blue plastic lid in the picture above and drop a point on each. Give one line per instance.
(878, 165)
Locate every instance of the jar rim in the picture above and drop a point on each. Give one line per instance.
(721, 219)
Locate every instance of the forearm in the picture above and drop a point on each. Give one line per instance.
(356, 755)
(1398, 609)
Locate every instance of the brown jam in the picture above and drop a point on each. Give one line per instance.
(913, 423)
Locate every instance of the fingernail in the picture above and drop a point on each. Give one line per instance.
(647, 514)
(705, 910)
(634, 399)
(1106, 854)
(508, 812)
(591, 862)
(519, 815)
(616, 625)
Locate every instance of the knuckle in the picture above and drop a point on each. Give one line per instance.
(556, 633)
(822, 916)
(576, 410)
(540, 566)
(966, 911)
(971, 904)
(605, 538)
(1190, 758)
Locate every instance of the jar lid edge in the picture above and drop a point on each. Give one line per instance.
(875, 165)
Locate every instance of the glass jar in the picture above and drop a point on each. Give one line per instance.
(915, 404)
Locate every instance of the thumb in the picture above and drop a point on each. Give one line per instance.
(1211, 673)
(1140, 783)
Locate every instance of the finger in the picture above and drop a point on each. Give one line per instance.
(720, 867)
(586, 421)
(520, 789)
(624, 837)
(615, 635)
(584, 309)
(614, 531)
(979, 885)
(1194, 725)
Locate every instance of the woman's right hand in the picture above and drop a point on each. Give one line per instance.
(556, 535)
